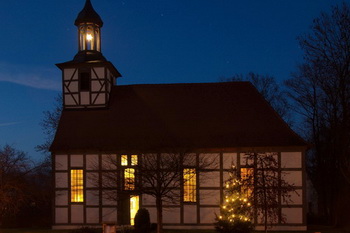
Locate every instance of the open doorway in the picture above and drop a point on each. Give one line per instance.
(134, 207)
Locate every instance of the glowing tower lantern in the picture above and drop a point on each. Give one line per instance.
(89, 25)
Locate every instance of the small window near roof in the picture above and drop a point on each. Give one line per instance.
(84, 81)
(133, 160)
(124, 160)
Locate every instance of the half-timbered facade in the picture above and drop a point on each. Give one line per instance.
(106, 130)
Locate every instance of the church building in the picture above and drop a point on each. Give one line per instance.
(107, 129)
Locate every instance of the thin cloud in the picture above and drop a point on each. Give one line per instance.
(40, 78)
(9, 123)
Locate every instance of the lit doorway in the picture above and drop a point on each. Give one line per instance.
(134, 207)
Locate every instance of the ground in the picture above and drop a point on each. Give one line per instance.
(312, 229)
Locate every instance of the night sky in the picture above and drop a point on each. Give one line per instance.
(148, 41)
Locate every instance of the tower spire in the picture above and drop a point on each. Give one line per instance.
(88, 14)
(89, 25)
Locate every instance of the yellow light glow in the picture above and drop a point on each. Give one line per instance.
(129, 178)
(77, 186)
(124, 160)
(89, 37)
(134, 207)
(134, 160)
(190, 184)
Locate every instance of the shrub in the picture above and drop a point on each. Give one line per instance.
(153, 227)
(142, 221)
(224, 226)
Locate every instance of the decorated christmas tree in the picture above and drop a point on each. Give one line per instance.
(236, 211)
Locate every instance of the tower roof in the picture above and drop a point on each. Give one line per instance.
(88, 14)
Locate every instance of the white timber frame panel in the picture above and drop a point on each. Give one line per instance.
(98, 208)
(97, 92)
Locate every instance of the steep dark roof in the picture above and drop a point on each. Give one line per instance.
(160, 116)
(88, 14)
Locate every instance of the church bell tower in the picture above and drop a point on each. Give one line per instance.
(87, 80)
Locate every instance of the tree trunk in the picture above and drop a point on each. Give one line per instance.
(159, 204)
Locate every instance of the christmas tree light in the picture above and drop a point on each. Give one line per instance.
(236, 209)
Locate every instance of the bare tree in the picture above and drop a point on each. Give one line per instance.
(264, 183)
(159, 175)
(14, 167)
(321, 93)
(269, 89)
(49, 124)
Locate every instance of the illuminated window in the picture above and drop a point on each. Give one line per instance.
(247, 177)
(133, 160)
(190, 184)
(129, 179)
(124, 160)
(77, 185)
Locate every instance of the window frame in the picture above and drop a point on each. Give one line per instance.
(76, 186)
(190, 185)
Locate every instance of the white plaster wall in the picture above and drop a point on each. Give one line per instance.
(171, 202)
(171, 215)
(101, 98)
(85, 97)
(213, 159)
(293, 177)
(92, 162)
(226, 176)
(261, 219)
(109, 161)
(92, 215)
(73, 87)
(291, 160)
(109, 179)
(76, 161)
(191, 160)
(68, 99)
(207, 214)
(67, 73)
(293, 215)
(77, 213)
(95, 85)
(92, 197)
(152, 214)
(61, 215)
(61, 197)
(61, 162)
(190, 214)
(61, 180)
(229, 159)
(109, 214)
(100, 71)
(109, 197)
(92, 179)
(209, 179)
(274, 155)
(244, 159)
(209, 197)
(148, 200)
(296, 198)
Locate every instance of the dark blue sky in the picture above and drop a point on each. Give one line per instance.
(149, 41)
